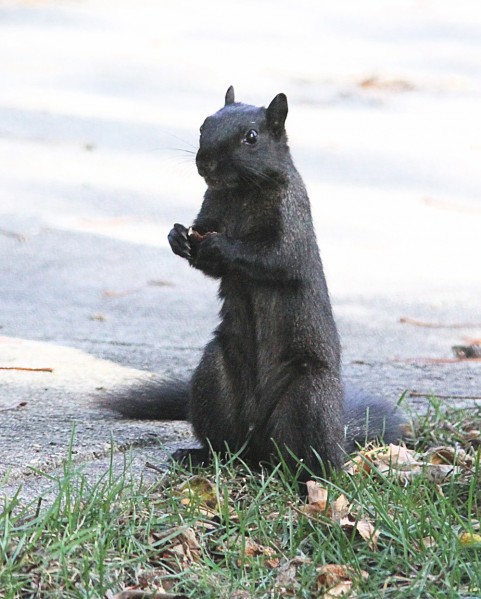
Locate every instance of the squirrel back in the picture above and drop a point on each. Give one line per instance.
(269, 381)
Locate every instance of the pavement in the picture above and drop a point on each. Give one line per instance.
(100, 105)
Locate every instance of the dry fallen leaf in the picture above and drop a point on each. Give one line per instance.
(398, 457)
(438, 473)
(428, 542)
(338, 579)
(339, 509)
(286, 583)
(253, 549)
(316, 494)
(26, 369)
(472, 434)
(368, 533)
(340, 590)
(365, 529)
(386, 84)
(339, 512)
(405, 465)
(181, 548)
(449, 455)
(330, 574)
(316, 498)
(357, 464)
(382, 458)
(158, 579)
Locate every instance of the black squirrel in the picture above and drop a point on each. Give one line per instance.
(270, 379)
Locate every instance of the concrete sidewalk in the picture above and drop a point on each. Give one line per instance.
(100, 105)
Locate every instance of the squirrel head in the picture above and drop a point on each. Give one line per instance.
(244, 146)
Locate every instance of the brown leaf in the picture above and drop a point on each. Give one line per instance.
(330, 574)
(316, 494)
(449, 455)
(360, 463)
(339, 512)
(436, 361)
(341, 589)
(26, 369)
(253, 549)
(427, 542)
(286, 583)
(181, 550)
(123, 293)
(397, 457)
(338, 578)
(393, 459)
(436, 325)
(157, 579)
(365, 528)
(339, 509)
(472, 434)
(160, 283)
(386, 84)
(439, 473)
(397, 461)
(368, 533)
(405, 465)
(316, 498)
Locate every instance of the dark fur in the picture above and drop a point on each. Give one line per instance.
(270, 377)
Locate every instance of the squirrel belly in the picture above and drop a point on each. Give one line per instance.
(269, 382)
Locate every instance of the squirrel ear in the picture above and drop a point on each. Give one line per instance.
(276, 114)
(230, 96)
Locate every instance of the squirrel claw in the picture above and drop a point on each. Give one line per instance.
(179, 241)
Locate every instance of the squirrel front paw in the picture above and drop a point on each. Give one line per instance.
(211, 249)
(212, 255)
(179, 241)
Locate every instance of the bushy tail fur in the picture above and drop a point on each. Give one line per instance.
(151, 400)
(368, 417)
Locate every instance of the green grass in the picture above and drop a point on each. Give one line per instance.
(97, 539)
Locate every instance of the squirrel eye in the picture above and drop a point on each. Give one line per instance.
(251, 136)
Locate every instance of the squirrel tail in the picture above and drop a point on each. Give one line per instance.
(369, 417)
(151, 400)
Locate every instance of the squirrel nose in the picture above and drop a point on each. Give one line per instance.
(206, 167)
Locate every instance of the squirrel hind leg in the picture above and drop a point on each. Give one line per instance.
(304, 426)
(216, 396)
(368, 417)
